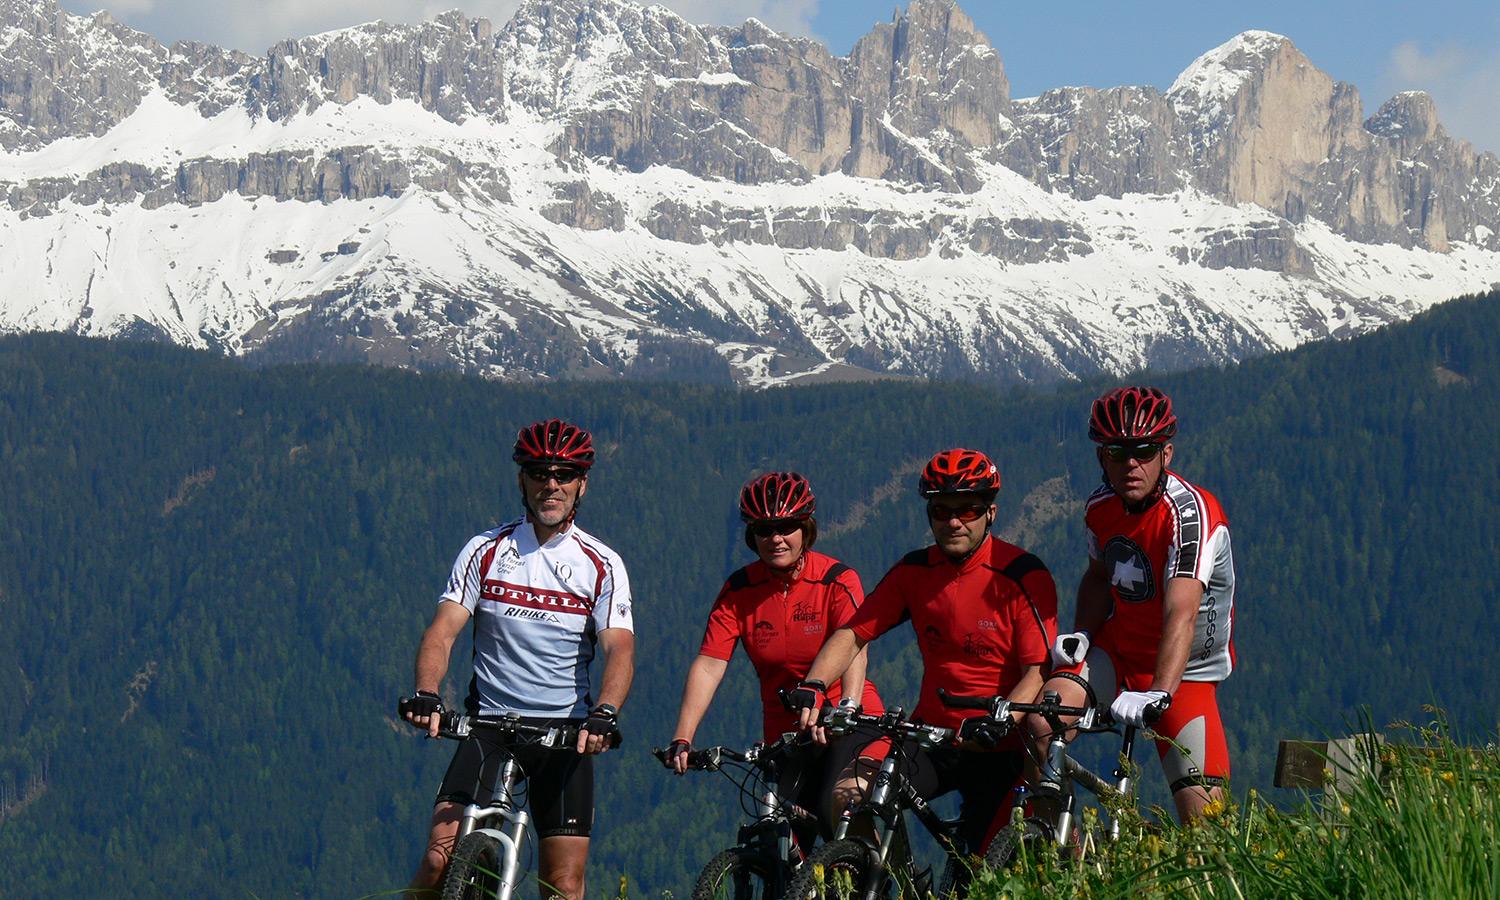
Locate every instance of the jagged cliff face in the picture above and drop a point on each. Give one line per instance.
(597, 187)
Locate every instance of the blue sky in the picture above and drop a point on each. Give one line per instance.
(1450, 48)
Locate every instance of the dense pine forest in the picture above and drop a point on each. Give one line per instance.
(213, 578)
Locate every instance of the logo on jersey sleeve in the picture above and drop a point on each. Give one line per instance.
(1129, 570)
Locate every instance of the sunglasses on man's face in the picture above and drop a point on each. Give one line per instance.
(543, 474)
(942, 512)
(784, 527)
(1138, 452)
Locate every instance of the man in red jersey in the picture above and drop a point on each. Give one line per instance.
(1156, 603)
(984, 611)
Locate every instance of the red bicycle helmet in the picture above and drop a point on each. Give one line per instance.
(1132, 414)
(777, 495)
(554, 441)
(959, 471)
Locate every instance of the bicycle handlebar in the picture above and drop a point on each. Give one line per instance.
(710, 758)
(892, 723)
(458, 726)
(1049, 708)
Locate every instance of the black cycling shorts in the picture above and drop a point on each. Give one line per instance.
(558, 784)
(983, 780)
(809, 779)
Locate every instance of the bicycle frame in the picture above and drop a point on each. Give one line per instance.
(770, 833)
(1061, 772)
(511, 832)
(893, 794)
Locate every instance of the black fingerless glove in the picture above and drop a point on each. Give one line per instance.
(984, 731)
(425, 703)
(806, 695)
(674, 748)
(604, 720)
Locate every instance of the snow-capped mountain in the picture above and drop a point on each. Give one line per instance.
(598, 187)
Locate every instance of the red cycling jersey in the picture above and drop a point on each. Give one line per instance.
(1184, 534)
(783, 625)
(979, 623)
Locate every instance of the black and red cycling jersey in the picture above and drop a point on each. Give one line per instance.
(979, 622)
(783, 624)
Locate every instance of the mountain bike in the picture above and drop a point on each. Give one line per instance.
(768, 851)
(486, 858)
(1059, 778)
(882, 865)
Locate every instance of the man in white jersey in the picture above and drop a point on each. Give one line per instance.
(542, 593)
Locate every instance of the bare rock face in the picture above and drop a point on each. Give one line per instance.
(928, 87)
(1261, 119)
(451, 65)
(1087, 142)
(61, 75)
(352, 173)
(1439, 181)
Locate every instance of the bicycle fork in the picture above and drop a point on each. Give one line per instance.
(510, 834)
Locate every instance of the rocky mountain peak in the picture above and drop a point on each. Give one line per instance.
(1219, 74)
(1410, 119)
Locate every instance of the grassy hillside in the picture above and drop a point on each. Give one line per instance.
(214, 578)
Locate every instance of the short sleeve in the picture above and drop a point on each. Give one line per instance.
(1036, 616)
(723, 628)
(1093, 544)
(883, 610)
(467, 576)
(846, 598)
(613, 606)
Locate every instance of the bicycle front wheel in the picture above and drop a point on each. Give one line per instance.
(737, 874)
(474, 872)
(1006, 848)
(841, 869)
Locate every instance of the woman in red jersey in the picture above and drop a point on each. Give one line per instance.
(781, 608)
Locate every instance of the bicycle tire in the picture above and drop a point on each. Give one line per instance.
(1006, 847)
(837, 869)
(737, 874)
(474, 872)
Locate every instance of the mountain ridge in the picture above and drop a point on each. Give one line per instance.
(549, 197)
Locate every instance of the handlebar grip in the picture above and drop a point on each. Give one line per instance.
(958, 702)
(1155, 711)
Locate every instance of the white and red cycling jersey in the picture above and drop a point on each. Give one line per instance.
(538, 609)
(1184, 534)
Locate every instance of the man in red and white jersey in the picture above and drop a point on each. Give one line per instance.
(1156, 605)
(542, 594)
(984, 612)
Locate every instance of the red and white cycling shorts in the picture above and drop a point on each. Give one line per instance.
(1191, 745)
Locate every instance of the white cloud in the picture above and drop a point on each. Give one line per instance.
(255, 25)
(1463, 83)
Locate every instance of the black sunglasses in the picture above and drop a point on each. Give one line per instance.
(782, 527)
(543, 474)
(1144, 452)
(942, 512)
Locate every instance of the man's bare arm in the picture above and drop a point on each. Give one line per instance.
(433, 654)
(1179, 615)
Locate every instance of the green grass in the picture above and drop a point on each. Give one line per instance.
(1427, 826)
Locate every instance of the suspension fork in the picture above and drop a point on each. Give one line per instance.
(511, 834)
(1055, 777)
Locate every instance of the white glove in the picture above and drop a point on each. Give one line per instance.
(1070, 649)
(1130, 707)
